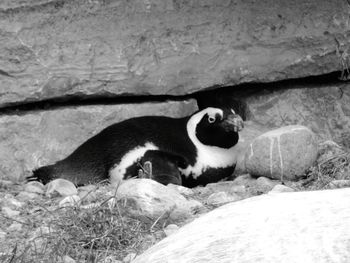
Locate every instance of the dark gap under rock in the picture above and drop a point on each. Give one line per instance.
(233, 96)
(75, 101)
(236, 96)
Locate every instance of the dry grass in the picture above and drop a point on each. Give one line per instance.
(332, 165)
(85, 234)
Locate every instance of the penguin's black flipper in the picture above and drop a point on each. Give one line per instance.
(42, 174)
(165, 166)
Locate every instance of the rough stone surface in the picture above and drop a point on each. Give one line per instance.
(323, 108)
(25, 196)
(129, 258)
(61, 48)
(2, 235)
(35, 187)
(227, 186)
(8, 212)
(11, 202)
(87, 193)
(244, 179)
(284, 153)
(246, 136)
(72, 200)
(44, 137)
(279, 188)
(61, 187)
(221, 198)
(15, 226)
(6, 183)
(339, 184)
(170, 229)
(181, 189)
(265, 184)
(150, 200)
(293, 228)
(68, 259)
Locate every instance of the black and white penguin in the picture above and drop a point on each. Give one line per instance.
(194, 150)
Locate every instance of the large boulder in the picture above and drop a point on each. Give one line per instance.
(284, 227)
(284, 153)
(43, 137)
(60, 48)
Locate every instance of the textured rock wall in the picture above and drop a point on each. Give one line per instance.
(325, 109)
(61, 48)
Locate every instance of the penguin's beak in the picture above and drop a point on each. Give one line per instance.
(233, 122)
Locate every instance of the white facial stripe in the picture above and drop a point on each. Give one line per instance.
(117, 173)
(233, 111)
(207, 156)
(212, 114)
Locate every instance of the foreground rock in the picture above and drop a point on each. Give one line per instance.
(43, 137)
(284, 153)
(53, 49)
(283, 227)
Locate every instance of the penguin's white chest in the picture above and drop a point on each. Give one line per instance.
(211, 157)
(207, 156)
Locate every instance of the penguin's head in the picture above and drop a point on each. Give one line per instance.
(215, 127)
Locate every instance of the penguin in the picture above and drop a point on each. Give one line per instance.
(194, 150)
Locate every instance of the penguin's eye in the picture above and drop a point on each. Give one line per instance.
(211, 119)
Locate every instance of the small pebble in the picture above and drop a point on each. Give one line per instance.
(6, 183)
(69, 201)
(239, 189)
(244, 179)
(2, 235)
(7, 211)
(40, 231)
(15, 226)
(61, 187)
(87, 196)
(25, 196)
(9, 196)
(265, 184)
(181, 189)
(35, 187)
(110, 259)
(88, 188)
(339, 184)
(220, 198)
(12, 202)
(68, 259)
(195, 205)
(170, 229)
(130, 257)
(279, 188)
